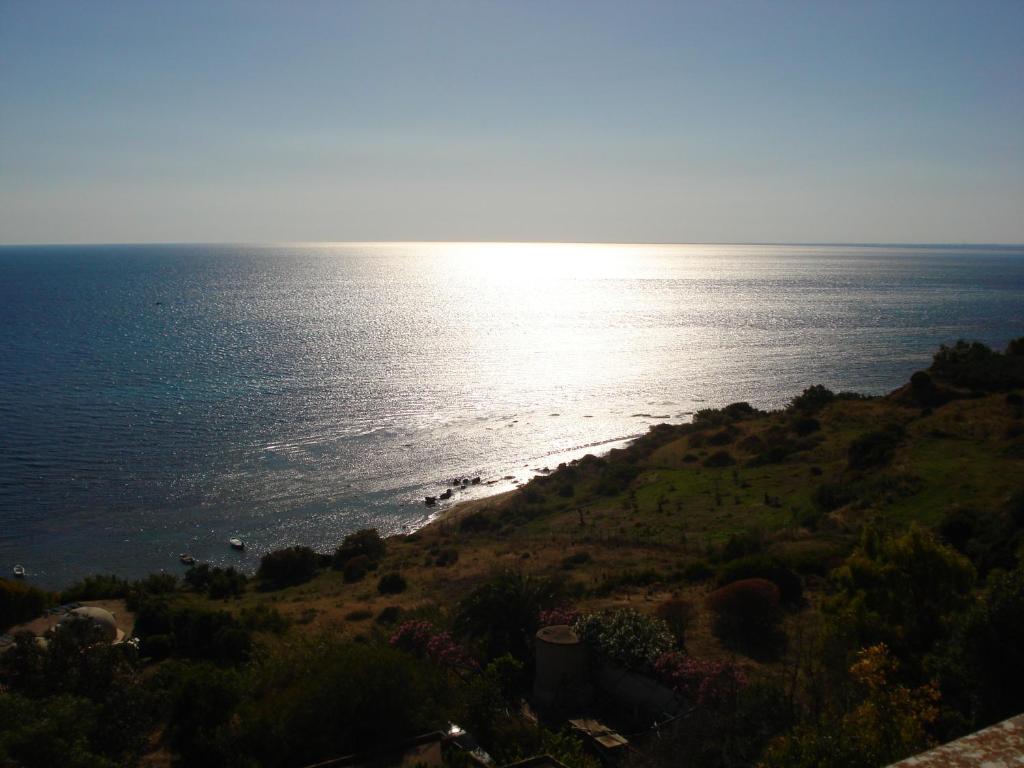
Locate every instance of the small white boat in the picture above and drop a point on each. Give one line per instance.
(187, 559)
(236, 543)
(19, 571)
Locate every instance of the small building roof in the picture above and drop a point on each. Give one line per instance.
(998, 746)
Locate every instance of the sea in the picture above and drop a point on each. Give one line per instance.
(161, 399)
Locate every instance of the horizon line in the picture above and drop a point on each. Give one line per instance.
(279, 243)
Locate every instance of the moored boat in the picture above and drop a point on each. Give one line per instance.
(236, 543)
(187, 559)
(19, 571)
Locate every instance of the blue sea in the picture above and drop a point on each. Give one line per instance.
(160, 399)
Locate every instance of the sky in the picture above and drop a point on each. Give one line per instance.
(632, 121)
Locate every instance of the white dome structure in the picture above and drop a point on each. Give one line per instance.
(100, 617)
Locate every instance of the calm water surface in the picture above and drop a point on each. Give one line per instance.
(158, 399)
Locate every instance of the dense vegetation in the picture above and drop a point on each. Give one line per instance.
(838, 583)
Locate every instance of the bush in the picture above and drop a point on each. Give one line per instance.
(902, 591)
(830, 496)
(96, 587)
(812, 399)
(502, 614)
(446, 557)
(389, 615)
(365, 543)
(356, 568)
(976, 366)
(287, 567)
(874, 449)
(21, 602)
(391, 584)
(747, 615)
(719, 459)
(749, 542)
(806, 426)
(789, 583)
(679, 616)
(626, 638)
(697, 571)
(579, 558)
(218, 583)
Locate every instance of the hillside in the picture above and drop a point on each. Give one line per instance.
(835, 583)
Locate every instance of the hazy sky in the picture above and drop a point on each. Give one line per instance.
(628, 121)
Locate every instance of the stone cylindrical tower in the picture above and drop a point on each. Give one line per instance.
(563, 675)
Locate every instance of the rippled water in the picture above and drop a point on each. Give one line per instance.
(157, 399)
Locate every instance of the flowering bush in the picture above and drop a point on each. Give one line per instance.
(423, 639)
(626, 637)
(706, 682)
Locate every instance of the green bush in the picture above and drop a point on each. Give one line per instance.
(502, 613)
(789, 583)
(96, 587)
(391, 584)
(719, 459)
(218, 583)
(812, 399)
(697, 571)
(21, 602)
(365, 543)
(747, 616)
(320, 699)
(626, 638)
(356, 568)
(874, 449)
(287, 567)
(578, 558)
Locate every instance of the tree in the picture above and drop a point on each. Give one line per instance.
(900, 590)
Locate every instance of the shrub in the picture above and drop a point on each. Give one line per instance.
(365, 543)
(262, 618)
(697, 571)
(502, 613)
(679, 615)
(21, 602)
(287, 567)
(446, 557)
(389, 615)
(391, 584)
(789, 583)
(423, 639)
(874, 449)
(356, 568)
(806, 426)
(703, 682)
(579, 558)
(901, 590)
(749, 542)
(328, 697)
(812, 399)
(99, 586)
(747, 615)
(625, 637)
(976, 366)
(830, 496)
(719, 459)
(218, 583)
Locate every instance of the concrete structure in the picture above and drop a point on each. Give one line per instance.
(99, 617)
(563, 673)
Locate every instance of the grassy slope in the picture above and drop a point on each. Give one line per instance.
(639, 537)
